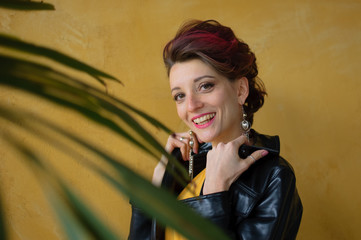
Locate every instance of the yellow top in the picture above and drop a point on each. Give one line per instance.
(192, 190)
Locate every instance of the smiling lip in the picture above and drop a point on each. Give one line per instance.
(203, 120)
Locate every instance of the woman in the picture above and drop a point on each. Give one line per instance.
(213, 81)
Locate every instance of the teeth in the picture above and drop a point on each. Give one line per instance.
(204, 118)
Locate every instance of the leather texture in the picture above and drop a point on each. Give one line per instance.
(263, 203)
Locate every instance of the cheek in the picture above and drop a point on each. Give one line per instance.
(230, 104)
(181, 112)
(220, 101)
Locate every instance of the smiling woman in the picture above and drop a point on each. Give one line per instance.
(213, 80)
(207, 102)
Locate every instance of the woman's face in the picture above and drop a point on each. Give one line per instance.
(208, 102)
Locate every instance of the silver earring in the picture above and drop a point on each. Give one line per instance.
(246, 125)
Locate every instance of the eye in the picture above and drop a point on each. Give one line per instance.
(178, 97)
(206, 86)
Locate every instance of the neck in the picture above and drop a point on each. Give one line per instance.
(228, 139)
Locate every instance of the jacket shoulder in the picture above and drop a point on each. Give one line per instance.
(259, 181)
(263, 172)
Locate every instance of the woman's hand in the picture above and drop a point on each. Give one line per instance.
(224, 165)
(176, 140)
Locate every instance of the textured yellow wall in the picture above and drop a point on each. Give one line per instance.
(309, 55)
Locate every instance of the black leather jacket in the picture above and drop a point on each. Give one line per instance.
(262, 203)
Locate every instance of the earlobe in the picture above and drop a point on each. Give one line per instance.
(243, 90)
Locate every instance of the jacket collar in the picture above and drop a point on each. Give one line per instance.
(259, 140)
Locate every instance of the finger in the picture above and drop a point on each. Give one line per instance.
(183, 137)
(175, 141)
(187, 137)
(184, 144)
(240, 140)
(185, 149)
(255, 156)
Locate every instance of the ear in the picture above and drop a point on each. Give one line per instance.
(242, 89)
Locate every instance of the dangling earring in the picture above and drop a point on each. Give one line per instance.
(246, 125)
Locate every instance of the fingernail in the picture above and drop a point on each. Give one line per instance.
(264, 153)
(173, 135)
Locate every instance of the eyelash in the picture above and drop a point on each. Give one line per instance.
(207, 86)
(176, 96)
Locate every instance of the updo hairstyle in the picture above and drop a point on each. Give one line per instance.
(217, 46)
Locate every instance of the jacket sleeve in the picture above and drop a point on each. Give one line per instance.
(143, 227)
(140, 225)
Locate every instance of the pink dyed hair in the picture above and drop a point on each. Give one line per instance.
(217, 46)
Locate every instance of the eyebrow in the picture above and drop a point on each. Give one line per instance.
(195, 80)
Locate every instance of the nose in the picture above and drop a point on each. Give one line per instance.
(193, 103)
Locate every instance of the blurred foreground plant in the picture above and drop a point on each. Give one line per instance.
(77, 219)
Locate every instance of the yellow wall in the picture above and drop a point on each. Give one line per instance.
(309, 56)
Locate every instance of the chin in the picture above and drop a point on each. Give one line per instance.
(204, 137)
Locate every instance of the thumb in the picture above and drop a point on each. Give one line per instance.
(240, 140)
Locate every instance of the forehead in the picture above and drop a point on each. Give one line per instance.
(189, 71)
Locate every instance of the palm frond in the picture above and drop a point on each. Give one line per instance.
(19, 45)
(26, 5)
(155, 201)
(86, 100)
(51, 85)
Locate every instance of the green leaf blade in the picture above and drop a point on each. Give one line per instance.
(26, 5)
(19, 45)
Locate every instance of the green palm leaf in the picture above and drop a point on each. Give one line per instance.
(91, 103)
(78, 220)
(26, 5)
(154, 201)
(18, 45)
